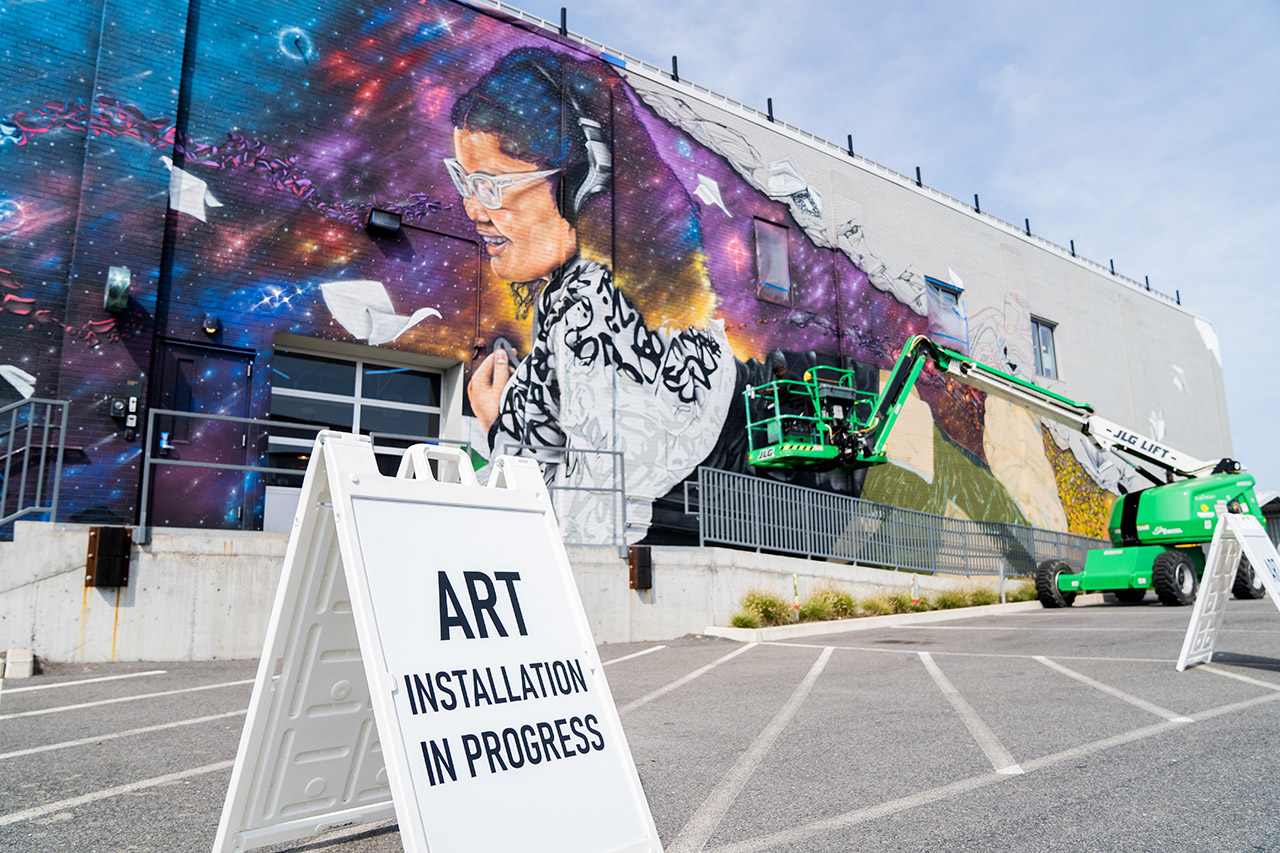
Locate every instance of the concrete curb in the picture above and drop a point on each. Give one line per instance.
(867, 623)
(19, 663)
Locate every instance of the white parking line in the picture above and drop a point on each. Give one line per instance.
(1208, 667)
(630, 656)
(1171, 716)
(1108, 659)
(1238, 706)
(9, 691)
(1078, 752)
(62, 708)
(994, 655)
(695, 833)
(796, 835)
(1041, 630)
(114, 735)
(1038, 629)
(63, 805)
(680, 682)
(1001, 761)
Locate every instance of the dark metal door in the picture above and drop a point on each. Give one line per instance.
(201, 382)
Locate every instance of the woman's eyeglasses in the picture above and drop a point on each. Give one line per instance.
(487, 189)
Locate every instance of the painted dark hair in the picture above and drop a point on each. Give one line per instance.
(532, 100)
(521, 101)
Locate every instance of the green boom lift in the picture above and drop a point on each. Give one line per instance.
(823, 422)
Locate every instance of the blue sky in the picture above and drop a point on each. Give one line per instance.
(1147, 132)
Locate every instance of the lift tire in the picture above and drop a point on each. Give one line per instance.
(1174, 578)
(1047, 584)
(1248, 582)
(1131, 596)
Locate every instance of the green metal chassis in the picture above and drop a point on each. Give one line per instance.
(1111, 569)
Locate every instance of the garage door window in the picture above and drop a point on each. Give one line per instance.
(398, 405)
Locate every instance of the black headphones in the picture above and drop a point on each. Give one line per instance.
(583, 180)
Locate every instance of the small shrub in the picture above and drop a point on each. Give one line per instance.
(771, 607)
(981, 596)
(816, 608)
(951, 599)
(828, 603)
(745, 619)
(900, 602)
(843, 605)
(1022, 592)
(878, 606)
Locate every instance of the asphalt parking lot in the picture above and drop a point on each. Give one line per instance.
(1032, 730)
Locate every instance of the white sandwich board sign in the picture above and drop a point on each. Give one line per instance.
(428, 657)
(1236, 536)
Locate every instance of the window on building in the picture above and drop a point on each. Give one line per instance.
(398, 404)
(773, 264)
(1042, 344)
(948, 324)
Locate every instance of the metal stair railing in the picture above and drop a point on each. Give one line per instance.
(382, 440)
(33, 435)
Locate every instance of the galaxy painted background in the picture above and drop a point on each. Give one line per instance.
(227, 154)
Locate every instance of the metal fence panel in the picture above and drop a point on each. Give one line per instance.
(765, 515)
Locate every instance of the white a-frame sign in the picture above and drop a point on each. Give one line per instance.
(1236, 536)
(428, 657)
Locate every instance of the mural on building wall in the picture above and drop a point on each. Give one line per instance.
(583, 242)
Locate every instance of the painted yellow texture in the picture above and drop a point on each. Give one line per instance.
(910, 443)
(1088, 506)
(1015, 452)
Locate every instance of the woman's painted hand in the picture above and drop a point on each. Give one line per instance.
(485, 388)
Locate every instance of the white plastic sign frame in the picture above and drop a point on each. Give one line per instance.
(1236, 536)
(1262, 553)
(428, 653)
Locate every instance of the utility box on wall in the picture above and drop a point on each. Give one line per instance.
(107, 562)
(640, 559)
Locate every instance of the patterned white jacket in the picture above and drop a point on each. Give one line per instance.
(601, 393)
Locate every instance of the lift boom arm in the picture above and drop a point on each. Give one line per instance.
(1104, 433)
(861, 442)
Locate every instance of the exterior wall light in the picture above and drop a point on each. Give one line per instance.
(382, 221)
(115, 296)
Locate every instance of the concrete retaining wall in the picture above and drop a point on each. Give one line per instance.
(205, 595)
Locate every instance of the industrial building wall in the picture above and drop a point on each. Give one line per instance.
(224, 158)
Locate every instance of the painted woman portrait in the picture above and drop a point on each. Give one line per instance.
(626, 357)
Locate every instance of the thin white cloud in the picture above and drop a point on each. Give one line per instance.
(1145, 131)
